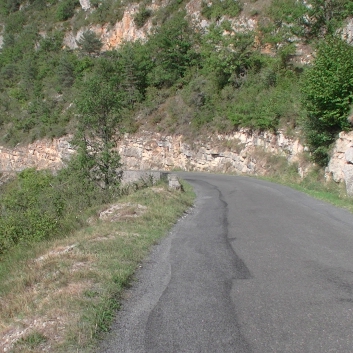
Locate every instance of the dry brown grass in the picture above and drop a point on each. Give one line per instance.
(41, 294)
(120, 211)
(55, 299)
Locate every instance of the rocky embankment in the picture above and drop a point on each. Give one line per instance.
(243, 152)
(340, 167)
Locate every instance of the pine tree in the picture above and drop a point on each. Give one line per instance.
(89, 43)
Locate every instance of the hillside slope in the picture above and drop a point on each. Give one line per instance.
(178, 66)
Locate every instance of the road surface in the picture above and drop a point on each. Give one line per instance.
(254, 267)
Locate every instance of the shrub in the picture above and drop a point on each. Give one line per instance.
(66, 9)
(142, 16)
(90, 43)
(328, 95)
(38, 205)
(30, 210)
(219, 8)
(15, 22)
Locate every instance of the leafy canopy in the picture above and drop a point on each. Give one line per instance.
(328, 95)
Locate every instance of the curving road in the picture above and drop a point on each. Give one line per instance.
(254, 267)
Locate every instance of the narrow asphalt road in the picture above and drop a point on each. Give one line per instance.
(254, 267)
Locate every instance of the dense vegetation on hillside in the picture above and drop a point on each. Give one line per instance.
(183, 79)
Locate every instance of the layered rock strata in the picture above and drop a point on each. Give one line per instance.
(243, 152)
(43, 154)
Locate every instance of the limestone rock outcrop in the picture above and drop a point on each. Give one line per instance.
(43, 154)
(85, 4)
(340, 167)
(348, 171)
(340, 156)
(242, 152)
(112, 36)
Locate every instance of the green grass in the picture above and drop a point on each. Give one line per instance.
(315, 185)
(63, 293)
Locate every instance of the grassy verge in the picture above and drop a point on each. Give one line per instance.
(314, 184)
(59, 295)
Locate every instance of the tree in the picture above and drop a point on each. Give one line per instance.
(66, 71)
(218, 8)
(99, 113)
(142, 16)
(172, 51)
(328, 95)
(228, 57)
(66, 9)
(133, 73)
(90, 43)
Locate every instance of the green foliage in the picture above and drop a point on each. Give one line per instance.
(242, 86)
(90, 43)
(26, 214)
(52, 43)
(286, 11)
(172, 51)
(228, 57)
(66, 71)
(12, 5)
(40, 4)
(106, 11)
(99, 108)
(219, 8)
(32, 340)
(15, 22)
(264, 104)
(328, 95)
(310, 19)
(325, 16)
(142, 16)
(66, 9)
(164, 13)
(133, 65)
(37, 205)
(287, 17)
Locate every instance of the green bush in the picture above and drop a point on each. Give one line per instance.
(219, 8)
(328, 95)
(90, 43)
(66, 9)
(12, 5)
(172, 50)
(29, 209)
(38, 205)
(142, 16)
(15, 22)
(106, 11)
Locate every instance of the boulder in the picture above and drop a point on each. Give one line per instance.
(85, 4)
(173, 182)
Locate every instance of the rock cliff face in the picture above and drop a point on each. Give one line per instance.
(112, 36)
(340, 167)
(43, 154)
(241, 152)
(126, 30)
